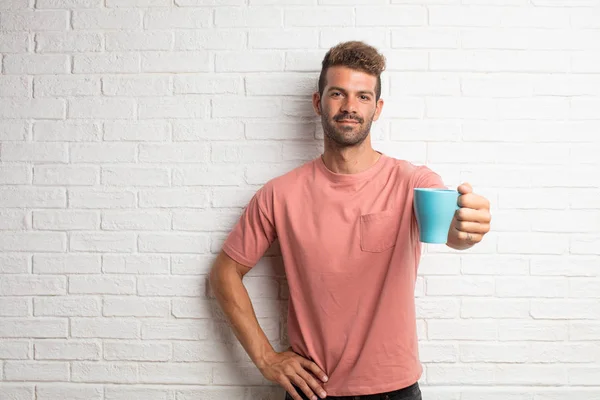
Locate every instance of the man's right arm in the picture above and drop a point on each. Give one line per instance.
(285, 368)
(232, 296)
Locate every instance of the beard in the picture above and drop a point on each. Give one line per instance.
(346, 135)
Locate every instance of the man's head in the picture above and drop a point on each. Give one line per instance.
(348, 99)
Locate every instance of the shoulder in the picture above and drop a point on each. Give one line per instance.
(415, 173)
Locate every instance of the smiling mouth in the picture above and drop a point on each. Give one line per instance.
(347, 121)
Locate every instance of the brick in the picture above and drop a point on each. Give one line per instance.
(132, 40)
(66, 42)
(193, 286)
(494, 308)
(102, 242)
(13, 219)
(136, 86)
(521, 330)
(136, 307)
(66, 131)
(83, 108)
(234, 374)
(407, 60)
(281, 84)
(123, 392)
(14, 263)
(102, 152)
(36, 371)
(104, 372)
(245, 107)
(561, 309)
(32, 108)
(498, 61)
(210, 39)
(174, 153)
(105, 328)
(14, 131)
(437, 308)
(118, 351)
(445, 374)
(279, 131)
(37, 20)
(207, 84)
(244, 153)
(17, 392)
(135, 264)
(101, 198)
(532, 374)
(539, 243)
(32, 197)
(176, 61)
(283, 39)
(66, 350)
(531, 287)
(559, 266)
(462, 330)
(203, 352)
(121, 176)
(139, 131)
(184, 106)
(248, 17)
(231, 198)
(499, 86)
(175, 330)
(584, 287)
(101, 284)
(33, 241)
(204, 221)
(249, 61)
(66, 264)
(57, 86)
(191, 265)
(34, 328)
(180, 373)
(117, 63)
(425, 83)
(378, 38)
(70, 391)
(177, 18)
(68, 3)
(136, 220)
(14, 307)
(14, 350)
(584, 330)
(65, 220)
(107, 19)
(63, 175)
(27, 285)
(195, 131)
(14, 42)
(38, 152)
(173, 243)
(192, 308)
(391, 16)
(14, 86)
(437, 352)
(66, 306)
(36, 64)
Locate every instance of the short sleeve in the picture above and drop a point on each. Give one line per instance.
(425, 178)
(253, 233)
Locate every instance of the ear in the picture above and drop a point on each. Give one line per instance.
(316, 100)
(378, 109)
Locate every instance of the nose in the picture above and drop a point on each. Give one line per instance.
(349, 105)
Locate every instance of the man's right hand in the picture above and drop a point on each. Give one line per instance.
(287, 368)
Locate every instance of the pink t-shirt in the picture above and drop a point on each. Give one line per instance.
(350, 247)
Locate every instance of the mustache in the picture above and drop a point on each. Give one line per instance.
(340, 117)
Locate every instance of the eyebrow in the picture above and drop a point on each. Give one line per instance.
(343, 90)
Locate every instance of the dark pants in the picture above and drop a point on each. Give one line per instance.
(412, 392)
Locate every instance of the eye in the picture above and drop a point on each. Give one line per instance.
(365, 97)
(334, 94)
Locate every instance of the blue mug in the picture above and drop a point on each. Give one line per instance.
(434, 209)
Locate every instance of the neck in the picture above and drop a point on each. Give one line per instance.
(349, 160)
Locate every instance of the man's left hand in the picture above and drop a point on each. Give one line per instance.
(471, 221)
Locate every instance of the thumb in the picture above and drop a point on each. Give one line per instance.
(465, 188)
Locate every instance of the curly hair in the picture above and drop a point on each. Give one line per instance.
(356, 55)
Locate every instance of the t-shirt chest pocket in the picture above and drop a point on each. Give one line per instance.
(379, 231)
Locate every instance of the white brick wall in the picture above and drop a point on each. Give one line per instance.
(132, 133)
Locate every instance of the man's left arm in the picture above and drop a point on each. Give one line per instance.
(471, 221)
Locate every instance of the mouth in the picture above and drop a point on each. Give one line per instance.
(347, 121)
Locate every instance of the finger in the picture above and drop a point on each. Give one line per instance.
(289, 388)
(312, 382)
(472, 227)
(314, 368)
(474, 201)
(470, 237)
(471, 215)
(302, 385)
(465, 188)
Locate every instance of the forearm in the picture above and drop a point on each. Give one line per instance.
(233, 298)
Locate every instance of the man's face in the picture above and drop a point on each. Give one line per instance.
(348, 106)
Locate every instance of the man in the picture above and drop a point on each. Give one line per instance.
(350, 246)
